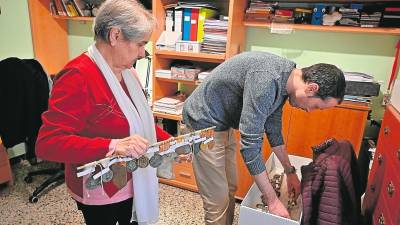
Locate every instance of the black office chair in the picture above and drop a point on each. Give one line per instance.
(24, 93)
(56, 178)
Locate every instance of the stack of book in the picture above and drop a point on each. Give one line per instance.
(69, 8)
(350, 17)
(215, 32)
(188, 19)
(260, 11)
(360, 87)
(168, 105)
(163, 74)
(391, 17)
(370, 19)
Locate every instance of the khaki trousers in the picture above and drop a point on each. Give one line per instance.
(215, 172)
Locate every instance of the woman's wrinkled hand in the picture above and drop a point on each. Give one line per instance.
(133, 146)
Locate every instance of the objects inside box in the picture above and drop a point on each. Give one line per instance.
(252, 211)
(278, 182)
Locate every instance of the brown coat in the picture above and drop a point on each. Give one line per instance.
(331, 189)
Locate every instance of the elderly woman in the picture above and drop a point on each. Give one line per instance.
(97, 109)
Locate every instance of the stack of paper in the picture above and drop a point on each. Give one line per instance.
(163, 74)
(168, 105)
(203, 75)
(353, 98)
(371, 19)
(215, 32)
(360, 87)
(350, 17)
(357, 76)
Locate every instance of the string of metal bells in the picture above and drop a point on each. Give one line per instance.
(191, 143)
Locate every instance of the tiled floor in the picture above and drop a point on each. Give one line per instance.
(177, 206)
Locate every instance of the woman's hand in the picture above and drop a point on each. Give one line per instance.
(133, 146)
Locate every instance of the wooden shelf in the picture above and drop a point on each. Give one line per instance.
(377, 30)
(168, 116)
(203, 57)
(189, 82)
(354, 105)
(77, 18)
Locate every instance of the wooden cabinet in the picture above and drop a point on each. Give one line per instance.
(346, 121)
(383, 189)
(5, 168)
(302, 130)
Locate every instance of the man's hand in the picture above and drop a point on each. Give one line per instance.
(275, 207)
(293, 184)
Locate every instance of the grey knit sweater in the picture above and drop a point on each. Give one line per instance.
(246, 92)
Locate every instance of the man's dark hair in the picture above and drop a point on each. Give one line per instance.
(329, 78)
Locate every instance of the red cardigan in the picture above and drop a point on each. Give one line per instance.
(83, 117)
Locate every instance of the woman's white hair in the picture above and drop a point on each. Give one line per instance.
(130, 16)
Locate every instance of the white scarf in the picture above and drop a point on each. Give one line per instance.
(141, 122)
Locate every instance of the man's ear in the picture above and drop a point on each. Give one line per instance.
(312, 89)
(114, 35)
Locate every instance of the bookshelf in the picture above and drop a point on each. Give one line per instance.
(162, 87)
(378, 30)
(201, 57)
(346, 121)
(76, 18)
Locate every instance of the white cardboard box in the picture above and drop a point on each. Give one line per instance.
(249, 215)
(167, 40)
(188, 46)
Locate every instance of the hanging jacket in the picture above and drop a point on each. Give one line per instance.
(330, 185)
(24, 93)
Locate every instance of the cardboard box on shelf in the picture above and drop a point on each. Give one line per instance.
(188, 46)
(184, 73)
(249, 214)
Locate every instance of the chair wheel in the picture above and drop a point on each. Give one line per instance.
(33, 199)
(28, 179)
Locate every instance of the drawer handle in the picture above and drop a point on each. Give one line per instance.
(381, 219)
(187, 175)
(390, 189)
(380, 159)
(398, 154)
(386, 130)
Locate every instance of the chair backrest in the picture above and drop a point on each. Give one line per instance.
(24, 93)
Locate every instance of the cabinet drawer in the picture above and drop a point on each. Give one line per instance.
(391, 191)
(394, 157)
(184, 173)
(381, 214)
(377, 172)
(5, 173)
(3, 154)
(390, 134)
